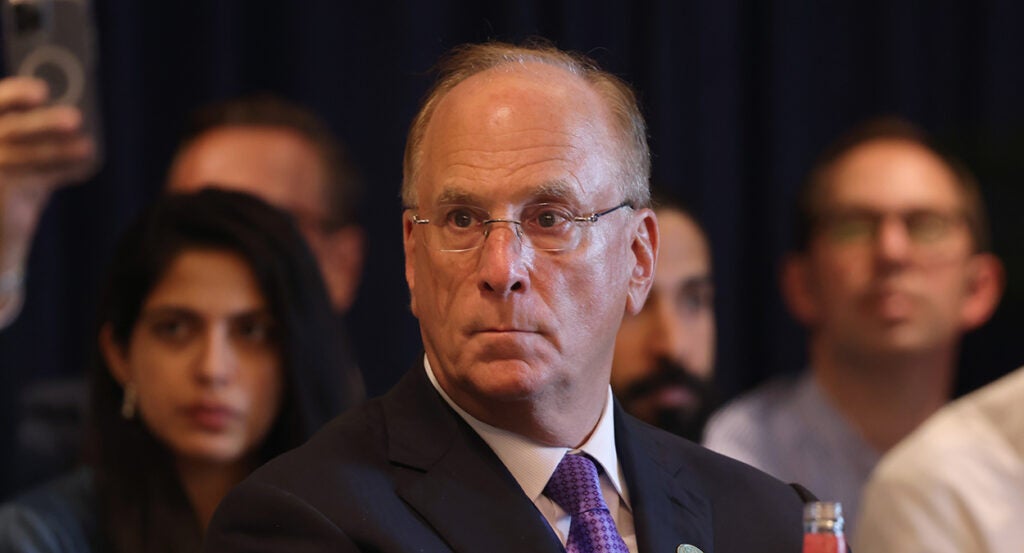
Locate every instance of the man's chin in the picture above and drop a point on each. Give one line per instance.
(505, 379)
(894, 342)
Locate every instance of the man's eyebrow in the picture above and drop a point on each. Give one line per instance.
(551, 191)
(457, 196)
(698, 281)
(557, 190)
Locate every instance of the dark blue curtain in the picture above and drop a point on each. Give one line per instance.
(740, 97)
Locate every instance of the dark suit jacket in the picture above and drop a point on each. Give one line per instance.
(405, 473)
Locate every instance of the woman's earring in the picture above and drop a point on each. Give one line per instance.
(131, 398)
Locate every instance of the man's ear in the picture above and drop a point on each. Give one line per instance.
(115, 356)
(986, 279)
(797, 289)
(645, 254)
(409, 246)
(342, 258)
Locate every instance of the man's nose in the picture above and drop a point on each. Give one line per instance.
(892, 240)
(502, 266)
(668, 333)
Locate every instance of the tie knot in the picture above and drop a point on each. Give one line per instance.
(575, 486)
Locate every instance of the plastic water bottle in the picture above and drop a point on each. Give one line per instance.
(823, 527)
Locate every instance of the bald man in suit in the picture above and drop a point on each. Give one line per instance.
(528, 238)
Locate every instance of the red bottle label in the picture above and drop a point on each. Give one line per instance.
(823, 543)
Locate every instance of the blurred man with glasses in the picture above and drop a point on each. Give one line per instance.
(890, 271)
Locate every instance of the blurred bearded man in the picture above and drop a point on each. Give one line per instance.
(664, 356)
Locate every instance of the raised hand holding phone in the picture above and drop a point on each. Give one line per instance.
(49, 123)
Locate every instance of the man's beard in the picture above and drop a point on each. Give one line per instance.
(683, 420)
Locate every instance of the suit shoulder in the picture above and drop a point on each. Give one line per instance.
(722, 476)
(357, 436)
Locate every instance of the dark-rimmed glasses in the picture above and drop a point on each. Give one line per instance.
(924, 227)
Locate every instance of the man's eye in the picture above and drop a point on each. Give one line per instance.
(549, 218)
(461, 218)
(852, 227)
(928, 227)
(694, 301)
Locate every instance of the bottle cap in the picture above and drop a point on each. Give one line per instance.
(826, 515)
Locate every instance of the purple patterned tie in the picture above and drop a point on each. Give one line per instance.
(576, 489)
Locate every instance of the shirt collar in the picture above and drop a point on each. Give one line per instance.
(824, 416)
(532, 463)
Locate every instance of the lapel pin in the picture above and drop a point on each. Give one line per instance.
(687, 548)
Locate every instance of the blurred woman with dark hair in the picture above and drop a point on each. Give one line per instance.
(213, 358)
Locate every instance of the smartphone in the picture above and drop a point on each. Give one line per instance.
(55, 40)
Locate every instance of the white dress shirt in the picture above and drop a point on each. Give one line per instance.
(793, 431)
(532, 465)
(956, 485)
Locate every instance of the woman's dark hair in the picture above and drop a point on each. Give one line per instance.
(143, 504)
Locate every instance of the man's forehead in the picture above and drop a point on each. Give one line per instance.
(516, 136)
(275, 163)
(892, 173)
(683, 252)
(516, 97)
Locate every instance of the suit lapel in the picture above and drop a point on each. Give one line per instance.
(450, 476)
(669, 506)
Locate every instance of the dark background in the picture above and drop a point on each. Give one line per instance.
(739, 96)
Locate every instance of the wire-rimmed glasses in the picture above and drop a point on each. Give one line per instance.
(543, 227)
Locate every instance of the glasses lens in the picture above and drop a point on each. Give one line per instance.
(922, 227)
(850, 227)
(546, 227)
(928, 227)
(550, 228)
(459, 227)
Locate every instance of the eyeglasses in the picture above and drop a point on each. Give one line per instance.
(923, 227)
(542, 227)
